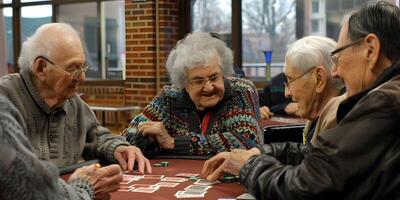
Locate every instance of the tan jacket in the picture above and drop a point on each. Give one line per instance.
(326, 120)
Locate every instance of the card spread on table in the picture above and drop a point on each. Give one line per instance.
(174, 179)
(166, 184)
(190, 194)
(126, 181)
(125, 189)
(141, 185)
(205, 182)
(145, 189)
(153, 176)
(246, 196)
(187, 175)
(198, 187)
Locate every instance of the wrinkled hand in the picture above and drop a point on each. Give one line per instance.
(230, 162)
(292, 108)
(104, 180)
(157, 130)
(265, 112)
(126, 156)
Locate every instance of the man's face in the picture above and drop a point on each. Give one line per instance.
(66, 62)
(205, 84)
(301, 88)
(349, 64)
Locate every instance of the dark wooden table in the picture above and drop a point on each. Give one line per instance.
(222, 190)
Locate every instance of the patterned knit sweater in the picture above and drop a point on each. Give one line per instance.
(233, 122)
(22, 174)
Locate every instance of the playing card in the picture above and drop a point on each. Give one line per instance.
(126, 181)
(145, 189)
(187, 175)
(174, 179)
(131, 177)
(153, 176)
(166, 184)
(142, 185)
(198, 187)
(190, 194)
(246, 196)
(124, 189)
(205, 182)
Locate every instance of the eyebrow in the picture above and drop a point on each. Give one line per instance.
(202, 77)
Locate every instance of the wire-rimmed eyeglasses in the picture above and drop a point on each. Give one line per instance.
(75, 74)
(200, 82)
(288, 83)
(334, 53)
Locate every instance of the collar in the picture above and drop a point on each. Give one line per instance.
(349, 103)
(26, 76)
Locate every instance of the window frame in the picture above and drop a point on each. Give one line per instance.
(16, 6)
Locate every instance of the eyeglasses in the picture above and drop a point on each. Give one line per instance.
(289, 84)
(75, 74)
(200, 82)
(335, 58)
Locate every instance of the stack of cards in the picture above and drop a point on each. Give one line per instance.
(197, 190)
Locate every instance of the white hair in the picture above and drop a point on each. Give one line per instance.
(312, 51)
(197, 49)
(40, 44)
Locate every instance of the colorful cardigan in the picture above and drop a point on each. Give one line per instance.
(232, 123)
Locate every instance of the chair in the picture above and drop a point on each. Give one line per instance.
(283, 133)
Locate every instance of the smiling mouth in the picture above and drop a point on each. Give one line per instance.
(208, 94)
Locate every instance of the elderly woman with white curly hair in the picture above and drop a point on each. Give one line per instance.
(205, 111)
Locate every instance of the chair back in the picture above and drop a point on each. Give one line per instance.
(283, 133)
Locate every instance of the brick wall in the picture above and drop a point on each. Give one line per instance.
(141, 57)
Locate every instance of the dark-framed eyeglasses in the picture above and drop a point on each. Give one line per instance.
(75, 74)
(289, 84)
(200, 82)
(334, 53)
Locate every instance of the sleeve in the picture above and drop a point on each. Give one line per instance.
(100, 143)
(289, 153)
(343, 155)
(23, 175)
(157, 110)
(242, 120)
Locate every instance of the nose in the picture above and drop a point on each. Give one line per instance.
(208, 86)
(334, 70)
(288, 93)
(80, 76)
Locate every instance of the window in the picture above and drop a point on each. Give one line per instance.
(270, 25)
(266, 26)
(101, 25)
(315, 25)
(315, 6)
(213, 16)
(6, 41)
(32, 17)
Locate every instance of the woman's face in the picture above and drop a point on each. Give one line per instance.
(205, 84)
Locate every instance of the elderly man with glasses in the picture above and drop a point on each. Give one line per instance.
(206, 110)
(61, 127)
(359, 158)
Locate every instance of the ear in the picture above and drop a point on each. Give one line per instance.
(321, 78)
(373, 50)
(39, 69)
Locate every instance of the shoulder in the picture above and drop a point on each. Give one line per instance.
(390, 88)
(10, 80)
(240, 84)
(170, 91)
